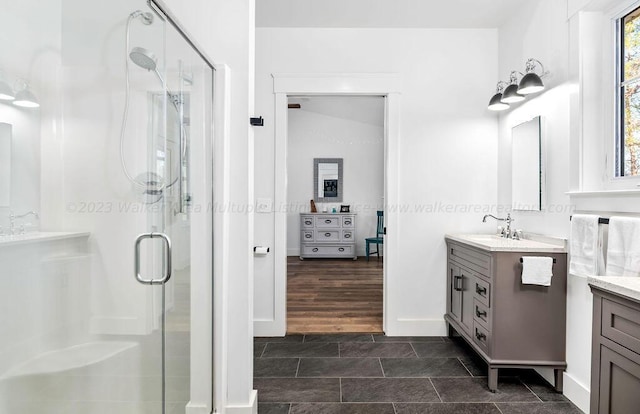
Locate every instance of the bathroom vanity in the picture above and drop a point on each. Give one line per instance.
(328, 235)
(615, 360)
(509, 324)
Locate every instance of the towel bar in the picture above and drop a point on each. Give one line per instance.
(601, 220)
(554, 260)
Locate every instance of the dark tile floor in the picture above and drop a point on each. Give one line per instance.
(375, 374)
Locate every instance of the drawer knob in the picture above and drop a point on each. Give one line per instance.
(347, 236)
(480, 290)
(480, 336)
(341, 249)
(315, 249)
(328, 221)
(347, 222)
(327, 235)
(308, 236)
(307, 222)
(480, 314)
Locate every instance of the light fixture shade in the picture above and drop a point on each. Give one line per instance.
(6, 93)
(530, 83)
(511, 95)
(26, 99)
(495, 104)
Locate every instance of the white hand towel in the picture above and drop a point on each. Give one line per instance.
(623, 253)
(583, 245)
(537, 270)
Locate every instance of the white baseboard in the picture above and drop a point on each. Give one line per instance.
(268, 328)
(251, 408)
(576, 393)
(197, 409)
(416, 327)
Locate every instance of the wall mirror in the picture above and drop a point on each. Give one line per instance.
(5, 164)
(327, 179)
(526, 166)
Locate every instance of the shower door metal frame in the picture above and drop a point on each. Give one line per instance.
(163, 12)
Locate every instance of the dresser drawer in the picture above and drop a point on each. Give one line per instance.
(329, 251)
(307, 235)
(621, 324)
(348, 221)
(327, 235)
(481, 313)
(481, 336)
(482, 292)
(348, 235)
(327, 222)
(306, 222)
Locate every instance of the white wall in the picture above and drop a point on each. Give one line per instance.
(355, 139)
(447, 154)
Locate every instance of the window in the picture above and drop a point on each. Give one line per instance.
(628, 90)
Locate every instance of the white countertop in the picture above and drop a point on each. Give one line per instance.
(625, 286)
(39, 236)
(495, 243)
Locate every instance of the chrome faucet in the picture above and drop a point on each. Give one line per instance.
(13, 217)
(506, 233)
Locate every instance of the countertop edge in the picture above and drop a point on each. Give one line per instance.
(628, 287)
(484, 247)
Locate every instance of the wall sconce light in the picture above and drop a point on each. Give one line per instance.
(24, 97)
(514, 91)
(6, 93)
(531, 82)
(496, 104)
(511, 94)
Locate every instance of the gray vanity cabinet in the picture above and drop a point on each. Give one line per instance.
(615, 367)
(509, 325)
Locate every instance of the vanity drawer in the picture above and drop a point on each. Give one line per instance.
(306, 222)
(472, 259)
(481, 313)
(327, 235)
(621, 324)
(482, 292)
(348, 235)
(307, 235)
(327, 222)
(348, 221)
(481, 336)
(327, 251)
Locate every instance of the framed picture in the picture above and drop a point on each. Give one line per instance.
(344, 209)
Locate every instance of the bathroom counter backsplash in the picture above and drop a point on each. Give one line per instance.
(39, 236)
(621, 285)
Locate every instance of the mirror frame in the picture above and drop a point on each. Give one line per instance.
(318, 199)
(520, 205)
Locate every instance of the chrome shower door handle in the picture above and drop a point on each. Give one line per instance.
(167, 242)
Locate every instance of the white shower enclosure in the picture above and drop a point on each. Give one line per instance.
(105, 189)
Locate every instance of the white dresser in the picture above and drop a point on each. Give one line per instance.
(328, 235)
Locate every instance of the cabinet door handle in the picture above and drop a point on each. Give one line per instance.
(327, 235)
(341, 249)
(315, 249)
(480, 336)
(480, 314)
(457, 286)
(328, 221)
(480, 290)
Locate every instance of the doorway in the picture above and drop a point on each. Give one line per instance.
(331, 287)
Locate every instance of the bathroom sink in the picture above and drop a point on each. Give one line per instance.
(496, 243)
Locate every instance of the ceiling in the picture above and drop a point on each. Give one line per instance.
(386, 13)
(364, 109)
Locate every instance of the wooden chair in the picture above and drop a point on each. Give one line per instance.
(378, 240)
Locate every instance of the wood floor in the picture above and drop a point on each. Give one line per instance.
(334, 295)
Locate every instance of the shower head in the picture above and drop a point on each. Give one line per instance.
(143, 58)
